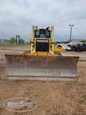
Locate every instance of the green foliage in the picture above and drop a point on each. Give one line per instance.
(22, 41)
(12, 40)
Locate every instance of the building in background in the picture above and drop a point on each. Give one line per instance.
(4, 41)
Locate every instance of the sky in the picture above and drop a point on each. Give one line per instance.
(17, 17)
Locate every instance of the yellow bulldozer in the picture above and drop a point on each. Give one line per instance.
(42, 62)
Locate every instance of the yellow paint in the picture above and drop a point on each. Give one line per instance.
(60, 49)
(42, 54)
(52, 47)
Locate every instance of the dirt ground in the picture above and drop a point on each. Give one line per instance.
(53, 98)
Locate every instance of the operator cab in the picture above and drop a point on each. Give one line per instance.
(42, 33)
(43, 43)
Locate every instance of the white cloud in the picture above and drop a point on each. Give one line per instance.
(17, 17)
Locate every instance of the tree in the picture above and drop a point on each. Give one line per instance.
(22, 41)
(12, 40)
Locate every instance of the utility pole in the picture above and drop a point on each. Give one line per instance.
(71, 31)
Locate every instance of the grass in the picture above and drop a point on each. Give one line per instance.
(5, 46)
(8, 44)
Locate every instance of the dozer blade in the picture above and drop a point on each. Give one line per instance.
(41, 66)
